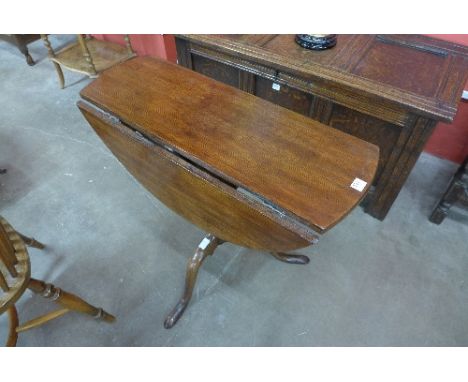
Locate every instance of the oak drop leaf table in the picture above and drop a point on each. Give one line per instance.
(241, 168)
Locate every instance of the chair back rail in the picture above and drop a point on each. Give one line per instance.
(15, 268)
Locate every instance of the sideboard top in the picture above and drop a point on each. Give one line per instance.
(420, 73)
(295, 164)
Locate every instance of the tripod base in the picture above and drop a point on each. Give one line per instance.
(206, 248)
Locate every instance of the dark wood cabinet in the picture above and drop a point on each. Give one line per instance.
(21, 41)
(389, 90)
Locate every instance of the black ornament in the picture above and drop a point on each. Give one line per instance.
(316, 41)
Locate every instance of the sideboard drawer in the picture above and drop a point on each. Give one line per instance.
(283, 95)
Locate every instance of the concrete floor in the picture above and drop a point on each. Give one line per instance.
(401, 282)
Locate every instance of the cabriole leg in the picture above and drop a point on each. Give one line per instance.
(290, 258)
(205, 249)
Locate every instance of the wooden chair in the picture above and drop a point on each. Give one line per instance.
(88, 55)
(15, 278)
(456, 193)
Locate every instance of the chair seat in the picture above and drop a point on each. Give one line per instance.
(17, 285)
(104, 55)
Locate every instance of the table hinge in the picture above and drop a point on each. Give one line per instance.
(111, 118)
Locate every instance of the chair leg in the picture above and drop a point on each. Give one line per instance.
(451, 195)
(68, 300)
(205, 249)
(87, 56)
(30, 241)
(59, 71)
(35, 322)
(12, 334)
(290, 258)
(51, 54)
(128, 44)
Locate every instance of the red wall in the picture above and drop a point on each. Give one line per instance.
(158, 45)
(449, 141)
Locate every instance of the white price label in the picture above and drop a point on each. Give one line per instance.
(204, 243)
(358, 184)
(276, 86)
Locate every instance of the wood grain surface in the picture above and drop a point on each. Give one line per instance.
(202, 199)
(388, 90)
(299, 165)
(415, 72)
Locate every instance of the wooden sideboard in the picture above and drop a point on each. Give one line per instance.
(389, 90)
